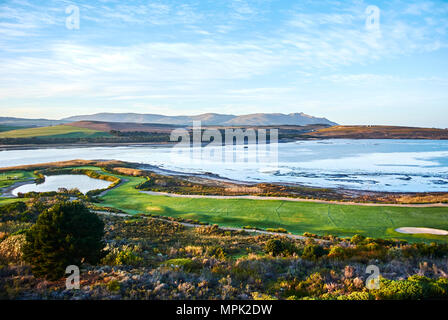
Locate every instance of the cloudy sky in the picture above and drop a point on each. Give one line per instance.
(354, 62)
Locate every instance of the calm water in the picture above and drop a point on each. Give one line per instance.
(68, 181)
(380, 165)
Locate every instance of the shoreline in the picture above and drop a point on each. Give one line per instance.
(7, 191)
(8, 147)
(348, 196)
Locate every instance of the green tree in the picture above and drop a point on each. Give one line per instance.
(278, 247)
(66, 234)
(275, 247)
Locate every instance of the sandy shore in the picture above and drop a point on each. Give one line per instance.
(413, 230)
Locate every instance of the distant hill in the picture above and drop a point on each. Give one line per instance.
(22, 122)
(378, 132)
(256, 119)
(124, 126)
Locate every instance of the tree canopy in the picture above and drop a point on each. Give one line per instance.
(66, 234)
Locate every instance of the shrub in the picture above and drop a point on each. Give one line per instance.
(187, 265)
(216, 252)
(278, 247)
(12, 211)
(312, 286)
(415, 287)
(126, 256)
(278, 230)
(313, 252)
(113, 286)
(11, 248)
(357, 239)
(66, 234)
(356, 296)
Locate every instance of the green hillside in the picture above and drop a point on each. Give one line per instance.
(4, 127)
(60, 131)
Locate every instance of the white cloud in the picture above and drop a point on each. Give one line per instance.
(203, 56)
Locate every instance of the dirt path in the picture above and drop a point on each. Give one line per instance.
(348, 203)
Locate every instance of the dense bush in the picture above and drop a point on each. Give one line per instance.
(313, 252)
(278, 247)
(16, 211)
(66, 234)
(415, 287)
(122, 256)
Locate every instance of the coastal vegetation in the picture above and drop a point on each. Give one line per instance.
(152, 258)
(133, 245)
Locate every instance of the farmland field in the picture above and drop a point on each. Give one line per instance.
(60, 131)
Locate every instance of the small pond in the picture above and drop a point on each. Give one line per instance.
(68, 181)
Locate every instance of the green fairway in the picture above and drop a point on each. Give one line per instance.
(4, 201)
(296, 217)
(60, 131)
(11, 177)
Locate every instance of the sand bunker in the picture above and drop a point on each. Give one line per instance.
(412, 230)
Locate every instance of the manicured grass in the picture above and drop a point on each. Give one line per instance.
(60, 131)
(296, 217)
(11, 177)
(4, 201)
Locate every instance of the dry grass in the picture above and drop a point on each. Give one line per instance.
(130, 171)
(63, 164)
(379, 132)
(423, 198)
(244, 190)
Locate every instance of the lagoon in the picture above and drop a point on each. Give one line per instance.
(374, 165)
(68, 181)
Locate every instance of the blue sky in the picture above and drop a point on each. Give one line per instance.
(227, 56)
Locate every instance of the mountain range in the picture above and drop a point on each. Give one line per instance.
(22, 122)
(255, 119)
